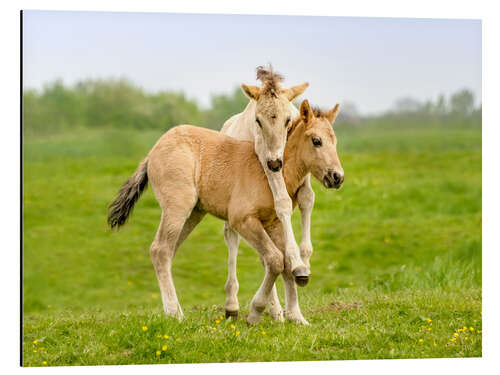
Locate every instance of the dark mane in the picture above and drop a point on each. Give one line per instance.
(270, 80)
(318, 112)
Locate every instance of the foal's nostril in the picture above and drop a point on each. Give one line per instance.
(274, 165)
(336, 177)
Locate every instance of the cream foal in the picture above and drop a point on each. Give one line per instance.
(194, 171)
(244, 126)
(265, 121)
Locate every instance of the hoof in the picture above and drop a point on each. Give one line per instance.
(278, 317)
(232, 314)
(301, 276)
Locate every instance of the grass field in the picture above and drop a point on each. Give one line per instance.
(396, 271)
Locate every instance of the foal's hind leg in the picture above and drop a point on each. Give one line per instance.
(177, 221)
(232, 239)
(193, 220)
(162, 252)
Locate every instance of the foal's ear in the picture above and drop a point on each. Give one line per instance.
(332, 114)
(295, 91)
(305, 112)
(253, 92)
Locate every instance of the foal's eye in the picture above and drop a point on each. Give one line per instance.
(258, 122)
(287, 122)
(316, 142)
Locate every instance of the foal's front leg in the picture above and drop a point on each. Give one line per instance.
(284, 210)
(292, 309)
(275, 310)
(232, 306)
(305, 199)
(252, 230)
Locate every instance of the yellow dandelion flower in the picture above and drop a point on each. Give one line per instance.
(429, 321)
(158, 336)
(464, 328)
(214, 328)
(165, 336)
(479, 331)
(144, 328)
(263, 332)
(178, 339)
(422, 327)
(217, 321)
(471, 329)
(466, 338)
(452, 339)
(455, 334)
(420, 340)
(434, 345)
(233, 326)
(44, 363)
(158, 352)
(164, 347)
(34, 350)
(35, 342)
(429, 329)
(221, 317)
(237, 333)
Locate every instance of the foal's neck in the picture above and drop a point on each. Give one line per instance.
(294, 168)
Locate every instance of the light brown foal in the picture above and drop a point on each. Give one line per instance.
(194, 171)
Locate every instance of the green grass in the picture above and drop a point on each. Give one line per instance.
(399, 244)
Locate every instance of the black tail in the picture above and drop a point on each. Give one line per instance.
(129, 193)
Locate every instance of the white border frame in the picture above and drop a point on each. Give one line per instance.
(10, 149)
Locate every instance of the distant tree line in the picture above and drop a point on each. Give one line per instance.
(121, 104)
(459, 108)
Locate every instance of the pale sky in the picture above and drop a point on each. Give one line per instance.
(368, 61)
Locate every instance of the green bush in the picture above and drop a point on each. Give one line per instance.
(104, 103)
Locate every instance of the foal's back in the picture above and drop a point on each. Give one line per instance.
(222, 171)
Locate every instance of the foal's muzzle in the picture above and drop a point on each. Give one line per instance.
(333, 179)
(274, 165)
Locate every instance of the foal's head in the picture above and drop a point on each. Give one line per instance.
(318, 145)
(273, 115)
